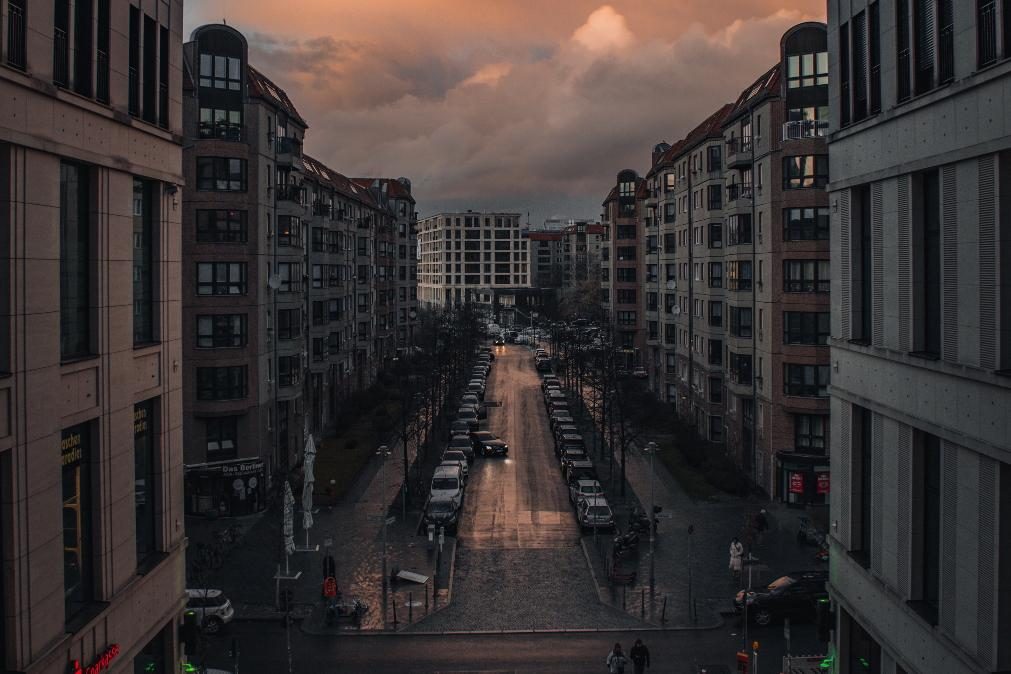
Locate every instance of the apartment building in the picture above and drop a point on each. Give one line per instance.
(471, 256)
(547, 262)
(581, 244)
(776, 273)
(90, 355)
(621, 264)
(920, 220)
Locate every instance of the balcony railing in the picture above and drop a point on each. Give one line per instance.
(290, 193)
(102, 76)
(736, 145)
(221, 131)
(61, 61)
(16, 52)
(804, 128)
(986, 31)
(738, 191)
(288, 145)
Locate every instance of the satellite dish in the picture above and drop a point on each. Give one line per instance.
(273, 281)
(676, 310)
(413, 314)
(671, 285)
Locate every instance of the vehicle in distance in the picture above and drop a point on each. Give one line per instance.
(499, 341)
(581, 489)
(793, 596)
(212, 608)
(594, 513)
(442, 512)
(447, 482)
(462, 443)
(488, 443)
(456, 457)
(459, 427)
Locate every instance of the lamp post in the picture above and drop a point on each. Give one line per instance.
(651, 449)
(383, 453)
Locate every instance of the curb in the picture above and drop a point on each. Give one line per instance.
(449, 598)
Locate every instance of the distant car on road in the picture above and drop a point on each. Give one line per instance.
(594, 513)
(488, 444)
(793, 596)
(581, 489)
(499, 341)
(640, 373)
(212, 608)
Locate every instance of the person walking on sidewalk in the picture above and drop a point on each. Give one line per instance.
(761, 524)
(640, 656)
(736, 557)
(616, 660)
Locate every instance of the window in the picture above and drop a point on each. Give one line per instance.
(859, 46)
(16, 33)
(738, 275)
(220, 72)
(986, 32)
(715, 195)
(715, 390)
(145, 194)
(220, 123)
(133, 103)
(805, 224)
(221, 278)
(625, 296)
(945, 42)
(716, 314)
(716, 352)
(715, 160)
(75, 261)
(863, 653)
(669, 212)
(289, 323)
(218, 331)
(903, 51)
(715, 235)
(221, 383)
(625, 274)
(289, 231)
(738, 229)
(221, 174)
(290, 275)
(861, 486)
(807, 70)
(626, 318)
(844, 74)
(145, 467)
(924, 39)
(626, 253)
(625, 232)
(163, 77)
(289, 369)
(927, 291)
(740, 368)
(222, 435)
(805, 172)
(809, 433)
(806, 327)
(715, 274)
(149, 91)
(221, 226)
(740, 321)
(806, 276)
(61, 43)
(78, 554)
(874, 54)
(715, 429)
(806, 380)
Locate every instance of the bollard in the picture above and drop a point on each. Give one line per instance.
(642, 604)
(426, 597)
(663, 613)
(410, 608)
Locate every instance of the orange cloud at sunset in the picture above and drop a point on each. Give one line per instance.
(510, 104)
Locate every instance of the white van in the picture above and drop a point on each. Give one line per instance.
(447, 482)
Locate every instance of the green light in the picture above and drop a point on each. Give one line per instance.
(189, 667)
(827, 662)
(823, 601)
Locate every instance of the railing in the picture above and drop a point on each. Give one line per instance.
(61, 62)
(986, 33)
(102, 76)
(289, 193)
(738, 191)
(221, 131)
(804, 128)
(321, 208)
(946, 55)
(735, 145)
(16, 51)
(288, 145)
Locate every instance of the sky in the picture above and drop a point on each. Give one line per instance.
(530, 106)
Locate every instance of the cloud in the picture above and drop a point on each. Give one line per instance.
(532, 120)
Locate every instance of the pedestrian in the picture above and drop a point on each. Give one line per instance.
(761, 523)
(736, 557)
(640, 656)
(616, 660)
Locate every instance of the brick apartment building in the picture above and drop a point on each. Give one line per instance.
(91, 372)
(621, 265)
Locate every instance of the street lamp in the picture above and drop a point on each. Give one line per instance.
(383, 453)
(652, 449)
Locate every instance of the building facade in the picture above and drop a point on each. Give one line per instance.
(920, 146)
(90, 353)
(471, 256)
(621, 265)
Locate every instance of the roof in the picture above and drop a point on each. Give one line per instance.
(320, 172)
(260, 86)
(710, 127)
(764, 86)
(394, 188)
(613, 194)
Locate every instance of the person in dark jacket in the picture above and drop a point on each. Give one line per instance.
(640, 656)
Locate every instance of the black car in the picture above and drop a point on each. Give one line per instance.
(488, 444)
(795, 596)
(442, 512)
(499, 341)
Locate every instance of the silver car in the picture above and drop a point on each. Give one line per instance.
(594, 513)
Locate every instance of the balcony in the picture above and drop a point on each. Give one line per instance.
(737, 191)
(288, 153)
(16, 31)
(321, 208)
(651, 198)
(739, 152)
(102, 76)
(290, 193)
(61, 60)
(221, 131)
(805, 128)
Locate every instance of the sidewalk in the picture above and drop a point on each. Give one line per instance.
(714, 524)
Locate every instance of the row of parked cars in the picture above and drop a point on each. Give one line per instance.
(585, 492)
(466, 441)
(542, 361)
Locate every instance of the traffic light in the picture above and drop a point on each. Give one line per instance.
(189, 631)
(824, 619)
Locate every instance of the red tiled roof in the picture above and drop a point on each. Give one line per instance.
(708, 128)
(393, 187)
(317, 170)
(767, 84)
(260, 86)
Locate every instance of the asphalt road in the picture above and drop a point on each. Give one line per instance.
(262, 650)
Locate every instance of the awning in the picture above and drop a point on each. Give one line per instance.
(233, 468)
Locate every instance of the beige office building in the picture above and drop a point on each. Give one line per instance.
(91, 525)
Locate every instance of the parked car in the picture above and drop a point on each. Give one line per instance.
(553, 394)
(548, 381)
(571, 454)
(488, 444)
(557, 405)
(640, 373)
(476, 386)
(462, 443)
(560, 431)
(459, 427)
(543, 365)
(468, 414)
(594, 513)
(447, 482)
(442, 512)
(212, 608)
(581, 489)
(456, 457)
(561, 417)
(793, 596)
(570, 439)
(580, 470)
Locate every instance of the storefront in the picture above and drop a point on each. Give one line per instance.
(225, 488)
(803, 479)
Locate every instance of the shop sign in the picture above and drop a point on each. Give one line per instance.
(235, 469)
(796, 483)
(823, 483)
(72, 446)
(102, 663)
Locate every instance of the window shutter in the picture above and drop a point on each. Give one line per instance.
(986, 585)
(949, 263)
(842, 427)
(905, 263)
(845, 271)
(987, 263)
(877, 489)
(903, 509)
(878, 266)
(948, 609)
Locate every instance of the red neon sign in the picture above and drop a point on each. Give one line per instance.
(103, 662)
